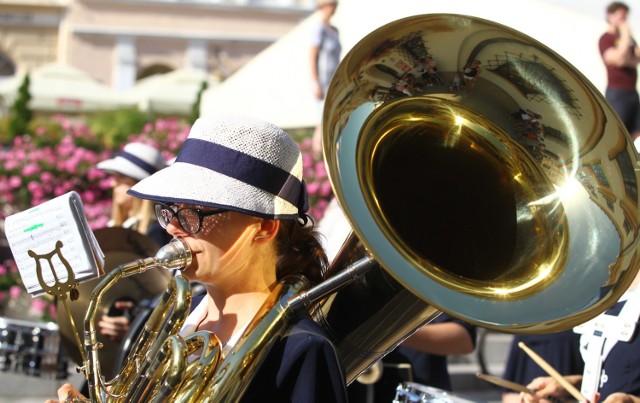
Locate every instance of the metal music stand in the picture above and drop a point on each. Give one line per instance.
(59, 289)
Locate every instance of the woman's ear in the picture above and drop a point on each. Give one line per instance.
(268, 230)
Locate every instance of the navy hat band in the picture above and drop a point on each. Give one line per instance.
(247, 169)
(150, 169)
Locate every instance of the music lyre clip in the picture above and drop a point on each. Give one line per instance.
(59, 288)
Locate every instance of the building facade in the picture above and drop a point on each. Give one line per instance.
(120, 41)
(29, 33)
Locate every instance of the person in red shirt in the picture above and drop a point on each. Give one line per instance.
(621, 56)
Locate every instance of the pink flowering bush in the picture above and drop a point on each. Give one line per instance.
(167, 135)
(59, 157)
(9, 280)
(317, 180)
(14, 297)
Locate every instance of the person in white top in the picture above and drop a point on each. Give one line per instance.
(133, 163)
(325, 53)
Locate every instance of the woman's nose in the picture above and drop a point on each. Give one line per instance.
(175, 229)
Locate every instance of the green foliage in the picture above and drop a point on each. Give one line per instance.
(8, 278)
(114, 128)
(5, 136)
(47, 132)
(20, 115)
(195, 109)
(300, 135)
(153, 70)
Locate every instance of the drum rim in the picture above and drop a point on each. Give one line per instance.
(6, 322)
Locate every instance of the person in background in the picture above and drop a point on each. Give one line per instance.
(610, 349)
(561, 350)
(471, 72)
(421, 358)
(236, 196)
(621, 56)
(325, 57)
(135, 162)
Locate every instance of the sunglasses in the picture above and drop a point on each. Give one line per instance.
(189, 218)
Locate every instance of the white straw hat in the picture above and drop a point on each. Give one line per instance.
(237, 163)
(136, 160)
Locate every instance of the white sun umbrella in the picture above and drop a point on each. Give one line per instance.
(170, 93)
(275, 85)
(62, 88)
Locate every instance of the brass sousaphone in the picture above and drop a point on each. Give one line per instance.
(485, 174)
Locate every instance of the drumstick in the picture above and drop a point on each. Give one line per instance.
(504, 383)
(553, 373)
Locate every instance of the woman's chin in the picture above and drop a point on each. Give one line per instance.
(190, 273)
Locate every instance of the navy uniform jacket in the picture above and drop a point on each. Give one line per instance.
(302, 367)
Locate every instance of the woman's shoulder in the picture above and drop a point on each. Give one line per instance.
(304, 332)
(307, 345)
(302, 366)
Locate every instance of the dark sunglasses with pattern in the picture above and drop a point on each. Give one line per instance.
(189, 218)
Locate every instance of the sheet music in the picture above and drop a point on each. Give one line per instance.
(39, 229)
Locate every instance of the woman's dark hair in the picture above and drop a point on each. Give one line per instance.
(299, 251)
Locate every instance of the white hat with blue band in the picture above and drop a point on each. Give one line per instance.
(237, 163)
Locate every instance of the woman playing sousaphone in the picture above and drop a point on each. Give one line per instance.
(235, 195)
